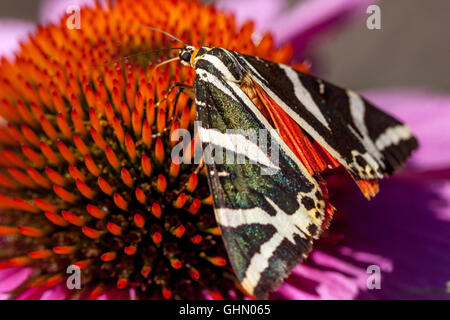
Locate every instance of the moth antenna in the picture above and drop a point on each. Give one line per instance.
(131, 56)
(124, 58)
(162, 64)
(161, 31)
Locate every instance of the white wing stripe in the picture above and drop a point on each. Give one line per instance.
(304, 96)
(392, 136)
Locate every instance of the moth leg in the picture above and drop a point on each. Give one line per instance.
(182, 87)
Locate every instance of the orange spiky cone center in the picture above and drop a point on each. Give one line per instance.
(86, 177)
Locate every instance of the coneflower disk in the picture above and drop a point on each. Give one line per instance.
(86, 175)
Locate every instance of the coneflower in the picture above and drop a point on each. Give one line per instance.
(86, 174)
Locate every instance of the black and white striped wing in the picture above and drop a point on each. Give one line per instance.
(366, 141)
(268, 221)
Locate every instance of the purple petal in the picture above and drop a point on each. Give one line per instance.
(116, 294)
(56, 293)
(262, 13)
(404, 230)
(311, 17)
(298, 25)
(428, 115)
(11, 278)
(12, 31)
(52, 10)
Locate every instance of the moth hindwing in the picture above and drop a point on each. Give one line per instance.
(268, 221)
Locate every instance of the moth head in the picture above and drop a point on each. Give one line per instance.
(187, 55)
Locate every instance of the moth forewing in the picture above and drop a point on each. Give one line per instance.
(268, 222)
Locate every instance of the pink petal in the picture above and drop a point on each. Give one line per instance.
(262, 13)
(52, 10)
(12, 31)
(56, 293)
(298, 25)
(11, 278)
(428, 115)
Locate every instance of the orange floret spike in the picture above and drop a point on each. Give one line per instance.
(161, 183)
(30, 135)
(217, 261)
(31, 232)
(91, 166)
(8, 231)
(130, 250)
(15, 134)
(108, 256)
(114, 229)
(97, 292)
(49, 129)
(9, 183)
(56, 219)
(139, 220)
(96, 212)
(126, 177)
(19, 261)
(195, 206)
(82, 264)
(146, 165)
(105, 186)
(136, 123)
(112, 158)
(85, 190)
(54, 280)
(64, 194)
(180, 201)
(131, 147)
(192, 183)
(120, 202)
(179, 231)
(161, 120)
(40, 254)
(26, 114)
(44, 205)
(64, 249)
(157, 237)
(208, 200)
(126, 118)
(98, 139)
(147, 134)
(78, 123)
(63, 126)
(140, 195)
(66, 153)
(122, 283)
(73, 218)
(95, 122)
(33, 156)
(76, 174)
(174, 169)
(80, 145)
(118, 130)
(21, 177)
(55, 177)
(91, 233)
(145, 271)
(156, 210)
(38, 178)
(49, 153)
(150, 112)
(159, 151)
